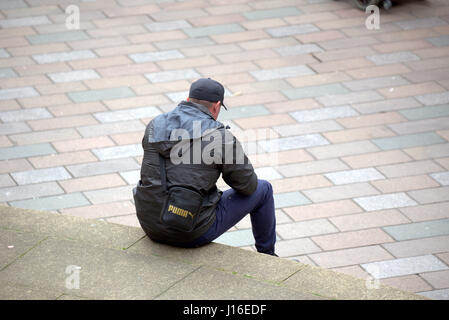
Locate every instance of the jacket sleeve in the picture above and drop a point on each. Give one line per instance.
(237, 170)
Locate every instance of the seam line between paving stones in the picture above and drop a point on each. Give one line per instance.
(175, 283)
(20, 256)
(132, 243)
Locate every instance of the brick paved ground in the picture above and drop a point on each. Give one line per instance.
(359, 119)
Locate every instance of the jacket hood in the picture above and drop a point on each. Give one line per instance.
(192, 118)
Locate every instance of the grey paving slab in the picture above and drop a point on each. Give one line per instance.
(385, 201)
(165, 76)
(408, 141)
(110, 195)
(267, 173)
(18, 152)
(132, 150)
(323, 114)
(314, 91)
(213, 30)
(404, 266)
(168, 25)
(177, 97)
(349, 98)
(128, 114)
(40, 175)
(426, 112)
(44, 136)
(14, 93)
(353, 176)
(13, 127)
(103, 167)
(101, 94)
(57, 37)
(24, 22)
(131, 177)
(341, 286)
(440, 41)
(13, 244)
(237, 238)
(78, 75)
(30, 191)
(434, 98)
(375, 83)
(298, 49)
(186, 43)
(69, 200)
(64, 56)
(23, 115)
(294, 142)
(271, 13)
(136, 277)
(13, 4)
(242, 112)
(343, 149)
(419, 126)
(7, 73)
(295, 247)
(156, 56)
(395, 57)
(346, 191)
(281, 73)
(422, 246)
(207, 283)
(420, 23)
(111, 128)
(307, 127)
(289, 199)
(441, 294)
(312, 167)
(292, 30)
(441, 177)
(386, 105)
(4, 53)
(419, 230)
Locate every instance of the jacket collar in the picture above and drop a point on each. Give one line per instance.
(198, 106)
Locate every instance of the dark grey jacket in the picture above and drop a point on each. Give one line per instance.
(149, 195)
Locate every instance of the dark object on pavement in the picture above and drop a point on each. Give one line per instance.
(363, 4)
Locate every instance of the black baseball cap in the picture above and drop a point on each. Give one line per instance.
(208, 90)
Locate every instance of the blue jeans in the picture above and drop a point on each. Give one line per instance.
(234, 206)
